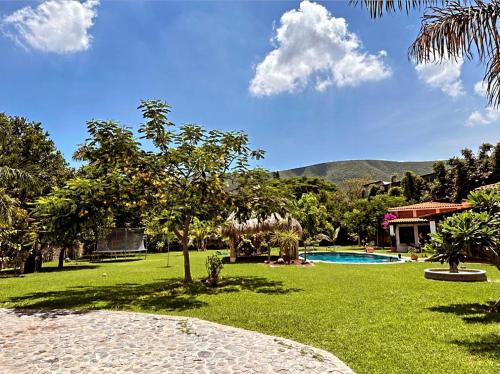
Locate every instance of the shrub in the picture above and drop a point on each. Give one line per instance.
(214, 266)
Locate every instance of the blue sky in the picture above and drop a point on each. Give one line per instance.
(323, 89)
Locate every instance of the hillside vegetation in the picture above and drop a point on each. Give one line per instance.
(338, 171)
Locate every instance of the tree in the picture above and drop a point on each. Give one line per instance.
(313, 218)
(460, 186)
(113, 155)
(468, 233)
(413, 186)
(192, 168)
(72, 213)
(452, 30)
(298, 186)
(367, 216)
(27, 148)
(200, 233)
(495, 175)
(440, 187)
(8, 203)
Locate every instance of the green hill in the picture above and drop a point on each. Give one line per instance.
(338, 171)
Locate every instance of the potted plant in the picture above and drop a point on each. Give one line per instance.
(370, 248)
(413, 253)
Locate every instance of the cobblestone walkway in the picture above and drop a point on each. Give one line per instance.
(118, 342)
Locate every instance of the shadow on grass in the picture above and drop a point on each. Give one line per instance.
(487, 346)
(471, 313)
(111, 260)
(54, 269)
(164, 295)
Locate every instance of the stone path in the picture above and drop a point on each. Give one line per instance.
(118, 342)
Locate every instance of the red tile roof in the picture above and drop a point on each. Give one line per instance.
(430, 205)
(408, 220)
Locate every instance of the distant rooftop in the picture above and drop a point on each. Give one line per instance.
(429, 205)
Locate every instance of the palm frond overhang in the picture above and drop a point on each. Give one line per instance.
(456, 31)
(377, 8)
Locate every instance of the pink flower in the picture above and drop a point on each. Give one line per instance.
(387, 218)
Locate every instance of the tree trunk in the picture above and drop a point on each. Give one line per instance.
(453, 268)
(61, 258)
(184, 239)
(187, 266)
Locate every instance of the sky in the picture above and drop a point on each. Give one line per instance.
(309, 82)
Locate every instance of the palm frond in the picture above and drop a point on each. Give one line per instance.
(456, 31)
(378, 8)
(492, 79)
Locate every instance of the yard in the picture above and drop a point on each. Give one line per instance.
(373, 317)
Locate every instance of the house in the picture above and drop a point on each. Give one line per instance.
(413, 223)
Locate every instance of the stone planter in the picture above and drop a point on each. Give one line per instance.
(463, 275)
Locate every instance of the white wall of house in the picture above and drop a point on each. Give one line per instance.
(403, 247)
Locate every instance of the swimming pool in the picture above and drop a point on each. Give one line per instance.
(350, 258)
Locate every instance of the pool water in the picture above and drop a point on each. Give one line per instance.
(350, 257)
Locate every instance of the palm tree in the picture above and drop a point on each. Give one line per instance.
(452, 30)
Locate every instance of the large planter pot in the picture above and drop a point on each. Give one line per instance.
(414, 257)
(370, 249)
(463, 275)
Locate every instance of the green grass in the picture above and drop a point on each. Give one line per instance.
(376, 318)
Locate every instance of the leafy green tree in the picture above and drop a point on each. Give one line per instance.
(298, 186)
(8, 202)
(26, 147)
(313, 218)
(464, 234)
(367, 216)
(75, 212)
(440, 187)
(193, 168)
(200, 232)
(112, 154)
(255, 194)
(495, 175)
(395, 191)
(413, 186)
(460, 186)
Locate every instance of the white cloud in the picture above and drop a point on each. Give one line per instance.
(444, 75)
(480, 88)
(312, 44)
(485, 117)
(59, 26)
(477, 118)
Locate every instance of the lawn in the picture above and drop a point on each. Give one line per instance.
(376, 318)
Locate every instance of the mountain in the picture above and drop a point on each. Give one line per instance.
(338, 171)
